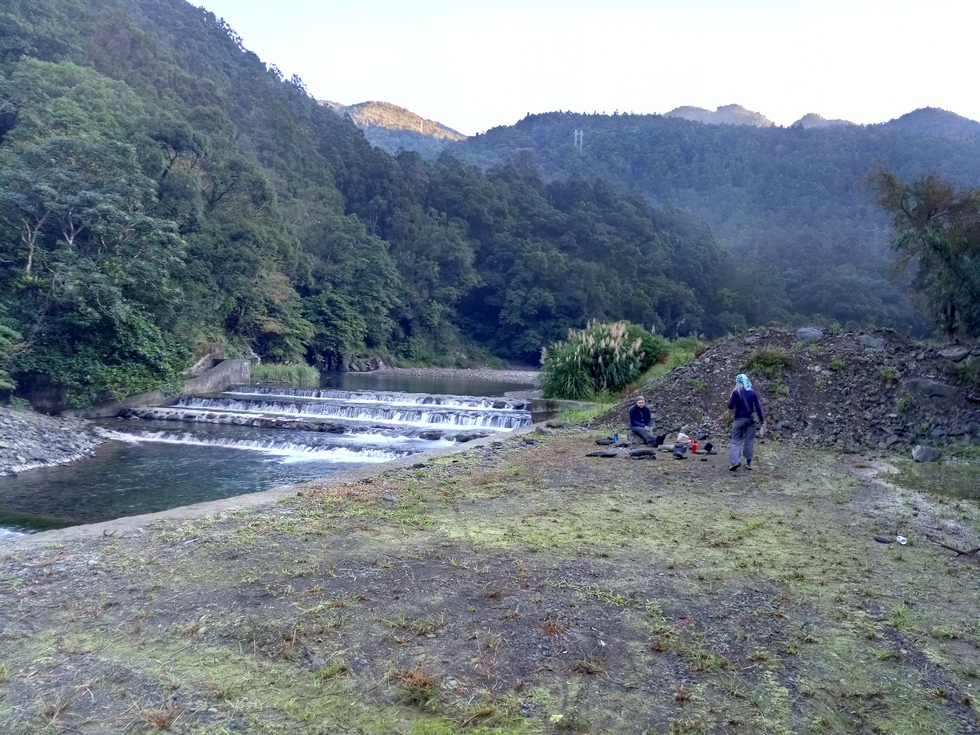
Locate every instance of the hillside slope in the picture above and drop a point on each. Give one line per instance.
(855, 391)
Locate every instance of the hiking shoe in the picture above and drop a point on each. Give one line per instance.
(734, 467)
(748, 466)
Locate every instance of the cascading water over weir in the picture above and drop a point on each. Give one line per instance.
(245, 439)
(356, 413)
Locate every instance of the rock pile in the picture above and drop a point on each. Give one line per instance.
(29, 440)
(853, 391)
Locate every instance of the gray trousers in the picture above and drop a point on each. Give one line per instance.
(743, 441)
(644, 433)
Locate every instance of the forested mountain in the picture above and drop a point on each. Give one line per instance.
(162, 188)
(932, 121)
(791, 203)
(813, 120)
(396, 129)
(724, 115)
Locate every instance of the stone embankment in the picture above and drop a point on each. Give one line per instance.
(29, 440)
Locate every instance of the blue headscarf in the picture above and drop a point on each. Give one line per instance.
(744, 380)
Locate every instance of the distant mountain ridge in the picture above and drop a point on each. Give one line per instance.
(724, 115)
(393, 128)
(937, 122)
(813, 120)
(392, 117)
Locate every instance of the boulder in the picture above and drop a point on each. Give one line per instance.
(874, 343)
(930, 388)
(923, 453)
(955, 354)
(809, 334)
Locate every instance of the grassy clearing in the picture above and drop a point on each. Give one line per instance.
(511, 589)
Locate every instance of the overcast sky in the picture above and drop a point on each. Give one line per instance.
(473, 66)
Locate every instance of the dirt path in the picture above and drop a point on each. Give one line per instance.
(511, 587)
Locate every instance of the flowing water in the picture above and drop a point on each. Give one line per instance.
(253, 438)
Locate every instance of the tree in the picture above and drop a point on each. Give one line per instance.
(937, 232)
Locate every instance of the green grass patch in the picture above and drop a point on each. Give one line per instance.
(959, 479)
(769, 361)
(583, 415)
(303, 375)
(969, 370)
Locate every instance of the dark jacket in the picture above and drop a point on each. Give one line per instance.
(640, 416)
(744, 402)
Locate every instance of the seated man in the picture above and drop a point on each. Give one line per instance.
(641, 421)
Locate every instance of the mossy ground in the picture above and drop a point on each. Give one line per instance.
(513, 588)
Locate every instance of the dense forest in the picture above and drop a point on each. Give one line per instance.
(162, 188)
(794, 205)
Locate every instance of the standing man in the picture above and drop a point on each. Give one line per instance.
(641, 421)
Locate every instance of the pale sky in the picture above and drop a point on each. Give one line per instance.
(473, 66)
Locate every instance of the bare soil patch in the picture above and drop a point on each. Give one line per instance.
(512, 587)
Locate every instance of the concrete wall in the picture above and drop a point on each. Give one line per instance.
(543, 409)
(214, 380)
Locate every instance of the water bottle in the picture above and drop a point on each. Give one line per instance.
(615, 438)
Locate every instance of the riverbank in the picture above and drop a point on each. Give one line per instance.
(29, 440)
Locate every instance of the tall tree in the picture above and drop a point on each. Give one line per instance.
(937, 233)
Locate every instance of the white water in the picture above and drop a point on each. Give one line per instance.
(166, 462)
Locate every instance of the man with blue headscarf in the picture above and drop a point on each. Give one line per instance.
(748, 417)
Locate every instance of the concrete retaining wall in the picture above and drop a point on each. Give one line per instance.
(215, 380)
(543, 409)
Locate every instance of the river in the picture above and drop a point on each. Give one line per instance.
(180, 455)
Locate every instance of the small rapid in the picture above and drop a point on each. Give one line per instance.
(246, 439)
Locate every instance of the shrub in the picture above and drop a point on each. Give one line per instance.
(601, 357)
(653, 347)
(836, 364)
(889, 374)
(969, 370)
(768, 361)
(698, 385)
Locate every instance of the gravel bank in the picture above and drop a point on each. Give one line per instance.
(29, 440)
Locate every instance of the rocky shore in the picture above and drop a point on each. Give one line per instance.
(29, 440)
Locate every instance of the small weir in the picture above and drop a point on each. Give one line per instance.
(246, 439)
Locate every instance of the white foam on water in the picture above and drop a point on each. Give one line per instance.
(286, 451)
